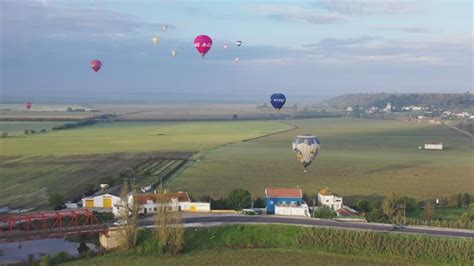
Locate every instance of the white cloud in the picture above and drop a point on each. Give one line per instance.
(372, 7)
(297, 14)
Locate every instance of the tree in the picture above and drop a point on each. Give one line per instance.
(259, 203)
(235, 117)
(429, 210)
(168, 224)
(128, 219)
(376, 214)
(239, 199)
(466, 199)
(363, 206)
(325, 212)
(4, 134)
(26, 131)
(56, 201)
(393, 207)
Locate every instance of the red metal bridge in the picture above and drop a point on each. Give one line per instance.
(50, 224)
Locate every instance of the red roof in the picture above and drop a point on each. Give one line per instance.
(181, 196)
(283, 193)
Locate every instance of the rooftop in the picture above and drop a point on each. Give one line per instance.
(143, 198)
(283, 193)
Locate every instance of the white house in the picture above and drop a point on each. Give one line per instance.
(176, 201)
(327, 198)
(300, 210)
(103, 199)
(434, 146)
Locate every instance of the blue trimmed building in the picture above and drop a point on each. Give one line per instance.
(282, 196)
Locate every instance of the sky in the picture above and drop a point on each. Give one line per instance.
(307, 50)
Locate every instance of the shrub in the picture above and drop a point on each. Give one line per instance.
(325, 212)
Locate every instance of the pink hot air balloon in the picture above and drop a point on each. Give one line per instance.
(203, 44)
(28, 105)
(96, 65)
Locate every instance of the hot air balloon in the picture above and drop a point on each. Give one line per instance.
(203, 44)
(278, 100)
(226, 46)
(239, 43)
(164, 27)
(236, 60)
(155, 40)
(173, 53)
(306, 148)
(96, 65)
(28, 105)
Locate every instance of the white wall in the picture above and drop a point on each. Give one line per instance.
(433, 146)
(99, 200)
(195, 206)
(292, 211)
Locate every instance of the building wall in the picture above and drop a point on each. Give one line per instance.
(271, 202)
(195, 206)
(331, 201)
(99, 201)
(292, 211)
(433, 146)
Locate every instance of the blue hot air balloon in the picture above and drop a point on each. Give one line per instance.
(278, 100)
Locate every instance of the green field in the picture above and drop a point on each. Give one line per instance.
(137, 137)
(246, 257)
(71, 162)
(359, 157)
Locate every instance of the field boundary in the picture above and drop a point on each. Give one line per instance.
(463, 132)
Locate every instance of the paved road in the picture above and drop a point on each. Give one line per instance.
(221, 219)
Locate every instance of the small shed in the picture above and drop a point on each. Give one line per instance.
(282, 196)
(434, 146)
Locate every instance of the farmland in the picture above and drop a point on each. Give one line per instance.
(359, 158)
(18, 127)
(71, 162)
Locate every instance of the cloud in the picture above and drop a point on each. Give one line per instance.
(408, 29)
(42, 19)
(371, 7)
(447, 50)
(297, 14)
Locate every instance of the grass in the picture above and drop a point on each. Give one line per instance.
(358, 158)
(273, 256)
(136, 137)
(73, 161)
(290, 245)
(447, 214)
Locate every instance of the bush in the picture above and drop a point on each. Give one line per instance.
(325, 212)
(363, 206)
(56, 201)
(239, 199)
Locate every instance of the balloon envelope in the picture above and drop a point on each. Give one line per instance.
(173, 53)
(226, 46)
(155, 39)
(278, 100)
(307, 148)
(96, 65)
(164, 27)
(239, 43)
(28, 105)
(236, 60)
(203, 44)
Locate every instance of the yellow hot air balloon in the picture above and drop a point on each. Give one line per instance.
(306, 148)
(173, 53)
(155, 39)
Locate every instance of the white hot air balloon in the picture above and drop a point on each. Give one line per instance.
(164, 27)
(173, 53)
(239, 43)
(226, 46)
(236, 60)
(306, 148)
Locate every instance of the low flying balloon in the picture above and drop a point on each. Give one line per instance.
(306, 148)
(155, 40)
(28, 105)
(96, 65)
(164, 27)
(239, 43)
(203, 44)
(173, 53)
(236, 60)
(278, 100)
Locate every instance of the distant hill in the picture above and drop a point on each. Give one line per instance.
(450, 100)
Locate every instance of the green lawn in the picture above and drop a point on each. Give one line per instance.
(137, 137)
(358, 157)
(272, 256)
